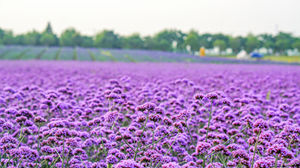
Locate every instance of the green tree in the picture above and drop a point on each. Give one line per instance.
(32, 38)
(70, 37)
(19, 39)
(221, 44)
(296, 44)
(192, 40)
(220, 36)
(2, 32)
(235, 44)
(107, 39)
(165, 40)
(267, 41)
(49, 28)
(87, 41)
(252, 43)
(205, 40)
(180, 36)
(8, 38)
(283, 42)
(148, 43)
(133, 41)
(48, 39)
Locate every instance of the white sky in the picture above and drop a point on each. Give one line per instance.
(236, 17)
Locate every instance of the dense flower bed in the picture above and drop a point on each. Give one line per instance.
(93, 115)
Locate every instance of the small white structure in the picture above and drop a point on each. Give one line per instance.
(242, 55)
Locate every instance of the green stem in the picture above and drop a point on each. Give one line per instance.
(255, 148)
(63, 161)
(276, 161)
(138, 145)
(208, 124)
(168, 149)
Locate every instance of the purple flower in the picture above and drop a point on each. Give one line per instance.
(128, 164)
(214, 165)
(264, 163)
(111, 159)
(171, 165)
(202, 148)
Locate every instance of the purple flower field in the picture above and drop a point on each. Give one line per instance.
(169, 115)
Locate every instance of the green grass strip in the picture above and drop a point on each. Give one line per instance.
(75, 54)
(108, 54)
(40, 54)
(92, 55)
(18, 57)
(129, 58)
(2, 55)
(58, 54)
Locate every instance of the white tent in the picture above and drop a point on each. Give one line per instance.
(242, 55)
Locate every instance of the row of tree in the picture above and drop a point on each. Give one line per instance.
(166, 40)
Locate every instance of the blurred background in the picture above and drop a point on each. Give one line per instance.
(151, 31)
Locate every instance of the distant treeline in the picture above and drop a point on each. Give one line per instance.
(166, 40)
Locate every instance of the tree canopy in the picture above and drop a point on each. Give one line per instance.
(165, 40)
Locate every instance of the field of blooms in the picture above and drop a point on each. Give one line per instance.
(115, 55)
(127, 115)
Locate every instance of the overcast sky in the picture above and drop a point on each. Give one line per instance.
(235, 17)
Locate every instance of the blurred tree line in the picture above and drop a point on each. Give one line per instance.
(166, 40)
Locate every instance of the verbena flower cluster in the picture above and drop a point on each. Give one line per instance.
(113, 115)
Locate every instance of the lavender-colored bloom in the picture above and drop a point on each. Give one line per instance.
(111, 159)
(264, 163)
(214, 165)
(128, 163)
(202, 147)
(171, 165)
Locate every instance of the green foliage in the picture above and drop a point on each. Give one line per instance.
(32, 38)
(267, 40)
(192, 40)
(2, 32)
(283, 42)
(107, 39)
(205, 40)
(87, 41)
(221, 44)
(235, 43)
(252, 43)
(70, 37)
(48, 39)
(49, 28)
(8, 38)
(169, 40)
(165, 40)
(296, 44)
(133, 41)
